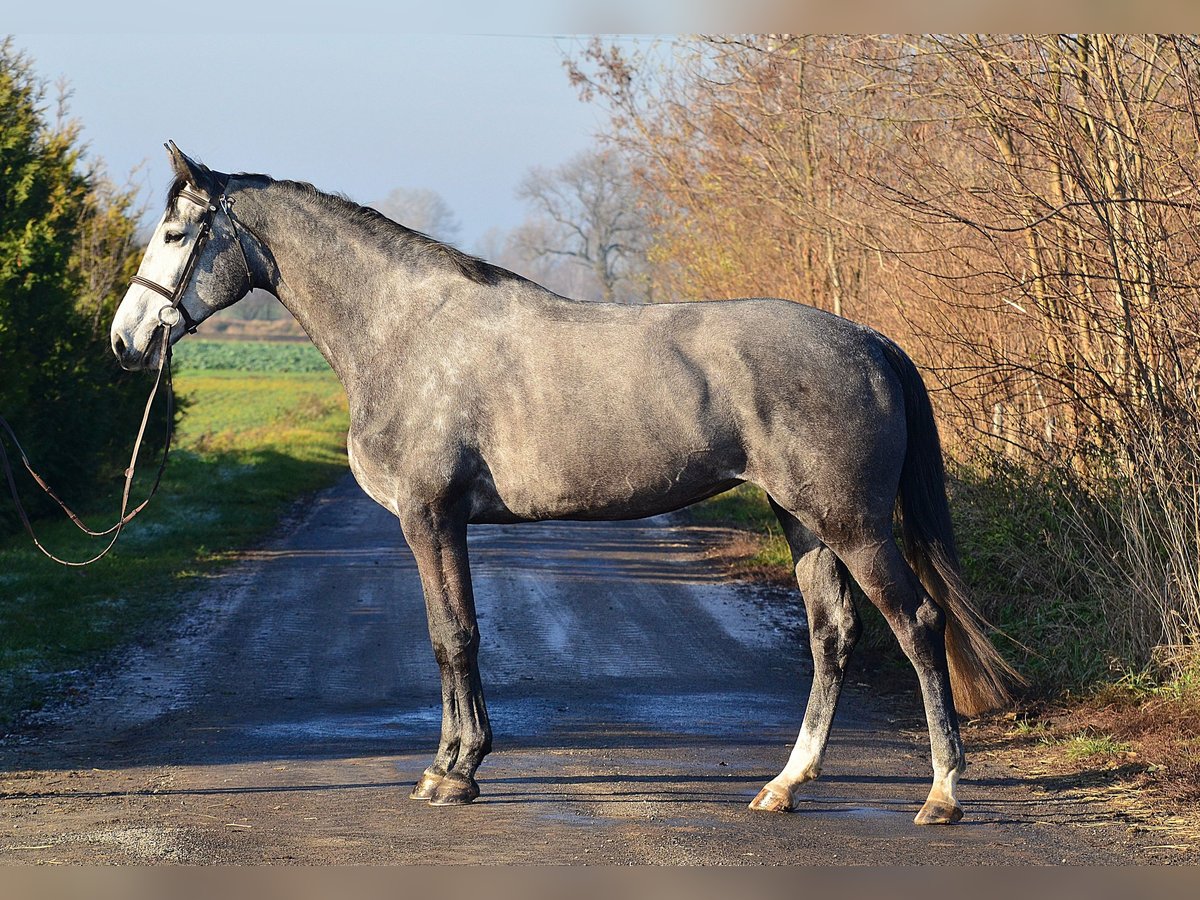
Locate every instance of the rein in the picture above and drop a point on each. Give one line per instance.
(126, 515)
(168, 317)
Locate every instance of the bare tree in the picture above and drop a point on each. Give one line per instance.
(423, 210)
(586, 212)
(740, 151)
(511, 250)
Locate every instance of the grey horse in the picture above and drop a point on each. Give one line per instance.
(477, 396)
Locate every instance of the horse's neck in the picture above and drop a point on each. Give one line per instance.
(345, 290)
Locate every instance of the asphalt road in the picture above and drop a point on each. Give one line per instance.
(638, 700)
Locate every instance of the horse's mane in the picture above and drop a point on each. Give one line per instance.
(405, 241)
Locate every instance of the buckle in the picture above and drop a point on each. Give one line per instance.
(169, 316)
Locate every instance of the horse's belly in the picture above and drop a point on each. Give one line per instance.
(599, 482)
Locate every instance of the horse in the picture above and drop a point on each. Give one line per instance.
(478, 396)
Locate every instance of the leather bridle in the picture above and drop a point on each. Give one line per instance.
(174, 296)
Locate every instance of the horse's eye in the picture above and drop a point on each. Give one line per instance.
(173, 237)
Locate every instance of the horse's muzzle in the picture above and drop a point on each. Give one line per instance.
(130, 358)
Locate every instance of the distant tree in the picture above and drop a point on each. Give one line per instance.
(65, 252)
(511, 250)
(423, 210)
(586, 212)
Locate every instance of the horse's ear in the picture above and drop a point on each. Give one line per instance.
(194, 173)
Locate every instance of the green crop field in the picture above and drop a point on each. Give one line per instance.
(194, 355)
(249, 445)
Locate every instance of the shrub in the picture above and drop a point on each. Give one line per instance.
(61, 389)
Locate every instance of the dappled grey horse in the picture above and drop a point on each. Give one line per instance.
(478, 396)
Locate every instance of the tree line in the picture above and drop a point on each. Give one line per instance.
(1021, 213)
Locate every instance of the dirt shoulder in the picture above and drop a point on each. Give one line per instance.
(1139, 758)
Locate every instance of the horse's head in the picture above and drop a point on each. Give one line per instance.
(194, 265)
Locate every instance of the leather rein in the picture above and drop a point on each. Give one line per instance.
(168, 316)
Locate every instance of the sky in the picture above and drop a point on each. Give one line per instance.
(466, 116)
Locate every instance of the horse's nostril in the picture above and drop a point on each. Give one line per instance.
(119, 346)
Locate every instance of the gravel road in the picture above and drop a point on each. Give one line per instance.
(639, 701)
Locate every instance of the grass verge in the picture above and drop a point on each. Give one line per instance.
(249, 445)
(756, 549)
(1132, 744)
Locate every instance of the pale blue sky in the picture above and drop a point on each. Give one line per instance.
(464, 115)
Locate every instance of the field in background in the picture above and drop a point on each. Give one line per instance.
(248, 356)
(249, 444)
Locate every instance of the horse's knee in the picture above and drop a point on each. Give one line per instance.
(833, 634)
(849, 631)
(455, 648)
(917, 622)
(922, 633)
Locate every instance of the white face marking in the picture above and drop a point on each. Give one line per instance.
(137, 317)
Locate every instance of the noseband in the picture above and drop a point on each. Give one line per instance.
(171, 315)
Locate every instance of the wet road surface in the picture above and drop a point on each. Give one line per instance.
(638, 703)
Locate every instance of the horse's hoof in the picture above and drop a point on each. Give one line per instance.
(937, 812)
(771, 801)
(454, 790)
(427, 786)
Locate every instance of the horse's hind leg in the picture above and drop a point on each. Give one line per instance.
(832, 631)
(919, 625)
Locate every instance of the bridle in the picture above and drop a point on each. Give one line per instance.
(168, 317)
(174, 296)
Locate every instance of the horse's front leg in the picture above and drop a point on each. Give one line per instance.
(438, 539)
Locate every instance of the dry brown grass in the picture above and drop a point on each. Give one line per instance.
(1138, 756)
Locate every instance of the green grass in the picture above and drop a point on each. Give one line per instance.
(1032, 728)
(1173, 681)
(746, 509)
(247, 447)
(1086, 746)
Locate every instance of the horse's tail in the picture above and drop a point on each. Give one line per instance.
(980, 677)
